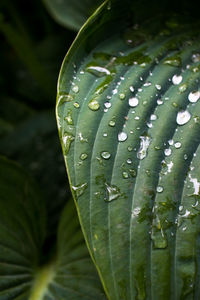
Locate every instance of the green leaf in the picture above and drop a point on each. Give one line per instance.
(70, 273)
(71, 14)
(22, 231)
(128, 114)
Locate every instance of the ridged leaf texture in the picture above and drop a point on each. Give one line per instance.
(128, 113)
(69, 274)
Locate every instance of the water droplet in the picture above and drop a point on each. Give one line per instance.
(130, 148)
(79, 189)
(129, 161)
(125, 175)
(83, 156)
(122, 96)
(158, 87)
(148, 83)
(144, 144)
(122, 136)
(113, 192)
(194, 96)
(176, 79)
(159, 102)
(185, 156)
(168, 152)
(133, 172)
(174, 61)
(133, 102)
(131, 88)
(75, 89)
(196, 57)
(65, 98)
(183, 88)
(97, 70)
(170, 142)
(153, 117)
(94, 105)
(107, 104)
(67, 139)
(111, 123)
(177, 145)
(183, 117)
(105, 154)
(76, 105)
(159, 189)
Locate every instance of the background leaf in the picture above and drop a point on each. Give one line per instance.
(22, 231)
(128, 114)
(71, 14)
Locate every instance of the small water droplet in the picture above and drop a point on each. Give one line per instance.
(113, 192)
(130, 148)
(111, 123)
(94, 105)
(170, 142)
(159, 189)
(125, 175)
(67, 139)
(196, 57)
(79, 189)
(185, 156)
(68, 117)
(168, 152)
(131, 88)
(176, 79)
(83, 156)
(122, 136)
(122, 96)
(65, 98)
(129, 161)
(159, 102)
(133, 102)
(177, 145)
(158, 87)
(153, 117)
(132, 172)
(194, 96)
(76, 105)
(107, 104)
(105, 154)
(148, 83)
(144, 144)
(75, 89)
(183, 117)
(183, 88)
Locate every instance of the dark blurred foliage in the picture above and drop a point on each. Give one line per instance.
(32, 47)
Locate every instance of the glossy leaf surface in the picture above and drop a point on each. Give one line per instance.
(72, 14)
(69, 274)
(128, 114)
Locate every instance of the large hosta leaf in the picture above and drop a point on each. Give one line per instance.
(70, 13)
(128, 114)
(70, 274)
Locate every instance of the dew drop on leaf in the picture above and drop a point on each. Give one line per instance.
(79, 189)
(83, 156)
(144, 144)
(125, 175)
(105, 155)
(194, 96)
(67, 139)
(176, 79)
(75, 89)
(122, 136)
(183, 117)
(177, 145)
(112, 123)
(112, 192)
(133, 102)
(159, 189)
(94, 105)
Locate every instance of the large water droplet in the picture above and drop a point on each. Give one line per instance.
(79, 189)
(194, 96)
(168, 152)
(122, 136)
(113, 192)
(144, 144)
(183, 117)
(133, 102)
(105, 155)
(176, 79)
(94, 105)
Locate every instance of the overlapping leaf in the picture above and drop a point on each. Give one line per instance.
(69, 274)
(72, 14)
(128, 114)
